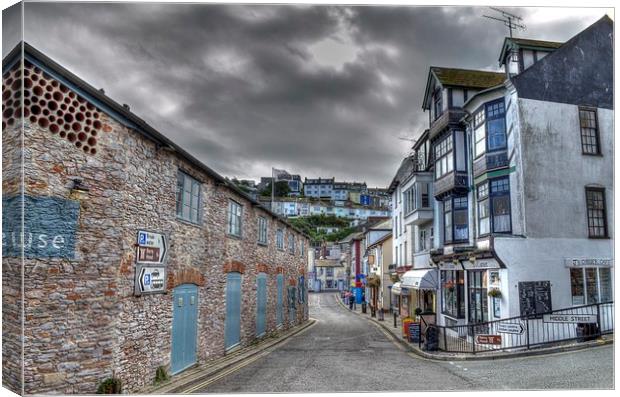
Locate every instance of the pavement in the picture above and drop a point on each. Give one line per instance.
(396, 334)
(343, 351)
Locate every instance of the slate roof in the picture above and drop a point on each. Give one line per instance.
(535, 43)
(467, 77)
(406, 168)
(526, 43)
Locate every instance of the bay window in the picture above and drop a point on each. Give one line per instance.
(494, 206)
(455, 219)
(490, 128)
(483, 209)
(444, 162)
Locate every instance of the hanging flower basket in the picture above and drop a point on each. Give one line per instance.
(373, 281)
(449, 285)
(495, 293)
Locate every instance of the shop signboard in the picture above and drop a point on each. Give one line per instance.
(489, 339)
(588, 262)
(449, 266)
(487, 263)
(414, 332)
(151, 247)
(150, 279)
(569, 318)
(511, 328)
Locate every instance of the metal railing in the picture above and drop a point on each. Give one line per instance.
(578, 323)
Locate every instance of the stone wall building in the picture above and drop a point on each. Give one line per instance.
(94, 176)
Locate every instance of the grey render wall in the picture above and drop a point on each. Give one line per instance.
(556, 172)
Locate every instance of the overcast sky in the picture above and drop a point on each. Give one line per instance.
(317, 90)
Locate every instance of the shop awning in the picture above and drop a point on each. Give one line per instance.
(421, 279)
(396, 288)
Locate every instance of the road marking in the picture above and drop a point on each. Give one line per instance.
(244, 363)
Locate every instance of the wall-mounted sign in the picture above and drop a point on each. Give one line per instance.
(510, 328)
(569, 318)
(49, 227)
(489, 339)
(151, 247)
(449, 266)
(588, 262)
(487, 263)
(150, 279)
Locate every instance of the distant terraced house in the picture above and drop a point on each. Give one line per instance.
(136, 255)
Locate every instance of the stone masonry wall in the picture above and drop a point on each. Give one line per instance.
(83, 322)
(11, 266)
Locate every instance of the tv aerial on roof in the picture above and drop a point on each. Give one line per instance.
(511, 21)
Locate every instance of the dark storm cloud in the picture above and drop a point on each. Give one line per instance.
(244, 88)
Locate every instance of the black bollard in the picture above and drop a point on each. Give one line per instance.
(394, 319)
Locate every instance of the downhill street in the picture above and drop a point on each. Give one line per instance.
(344, 352)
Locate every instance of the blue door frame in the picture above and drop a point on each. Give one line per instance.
(292, 305)
(280, 299)
(184, 327)
(232, 324)
(261, 303)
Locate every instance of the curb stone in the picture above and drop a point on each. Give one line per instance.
(482, 356)
(205, 371)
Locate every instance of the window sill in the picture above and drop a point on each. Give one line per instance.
(592, 154)
(599, 237)
(452, 316)
(262, 244)
(188, 222)
(234, 236)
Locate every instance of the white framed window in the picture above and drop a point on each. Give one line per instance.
(188, 197)
(291, 244)
(234, 218)
(280, 239)
(590, 285)
(262, 230)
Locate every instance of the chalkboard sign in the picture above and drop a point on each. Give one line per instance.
(414, 332)
(534, 297)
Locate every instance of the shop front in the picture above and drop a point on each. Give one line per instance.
(423, 285)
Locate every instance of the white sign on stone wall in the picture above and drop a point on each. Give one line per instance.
(150, 279)
(151, 247)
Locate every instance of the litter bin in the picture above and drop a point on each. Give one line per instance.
(381, 318)
(363, 306)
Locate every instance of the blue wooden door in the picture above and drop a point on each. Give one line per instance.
(280, 299)
(184, 327)
(292, 304)
(232, 325)
(261, 303)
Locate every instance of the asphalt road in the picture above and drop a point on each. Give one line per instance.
(345, 352)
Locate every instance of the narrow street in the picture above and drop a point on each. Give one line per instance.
(344, 352)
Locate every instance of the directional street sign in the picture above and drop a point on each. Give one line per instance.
(569, 318)
(150, 279)
(489, 339)
(511, 328)
(151, 247)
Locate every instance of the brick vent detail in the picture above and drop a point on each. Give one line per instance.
(51, 105)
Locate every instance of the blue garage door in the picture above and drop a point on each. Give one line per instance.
(184, 326)
(232, 325)
(280, 300)
(261, 303)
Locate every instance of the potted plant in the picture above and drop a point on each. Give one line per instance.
(495, 293)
